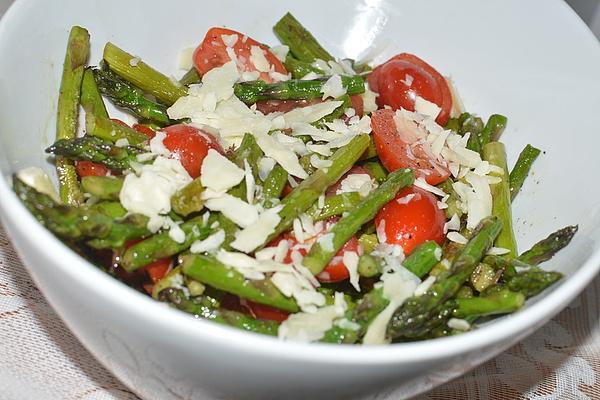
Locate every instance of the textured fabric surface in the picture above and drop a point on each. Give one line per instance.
(41, 359)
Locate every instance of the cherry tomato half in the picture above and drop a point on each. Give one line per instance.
(89, 168)
(212, 53)
(396, 152)
(189, 145)
(404, 77)
(412, 218)
(144, 129)
(336, 270)
(262, 311)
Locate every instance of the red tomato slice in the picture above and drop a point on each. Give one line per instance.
(395, 153)
(144, 129)
(358, 104)
(118, 121)
(158, 269)
(287, 189)
(336, 270)
(212, 53)
(189, 145)
(410, 223)
(404, 77)
(89, 168)
(262, 311)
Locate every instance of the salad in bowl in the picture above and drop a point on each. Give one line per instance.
(283, 191)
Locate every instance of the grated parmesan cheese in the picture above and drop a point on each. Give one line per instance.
(149, 191)
(426, 107)
(350, 259)
(424, 286)
(318, 163)
(310, 327)
(211, 244)
(265, 166)
(398, 285)
(283, 155)
(458, 324)
(333, 87)
(280, 51)
(218, 173)
(230, 40)
(248, 239)
(37, 179)
(258, 59)
(237, 210)
(361, 183)
(456, 237)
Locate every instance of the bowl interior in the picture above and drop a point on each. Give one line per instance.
(515, 63)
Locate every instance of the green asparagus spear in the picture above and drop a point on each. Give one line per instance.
(191, 77)
(410, 319)
(521, 169)
(319, 255)
(102, 187)
(91, 100)
(80, 223)
(90, 148)
(209, 271)
(248, 152)
(423, 258)
(495, 153)
(453, 201)
(371, 151)
(483, 277)
(111, 131)
(376, 170)
(453, 124)
(474, 126)
(368, 242)
(188, 199)
(502, 302)
(532, 281)
(299, 69)
(309, 190)
(363, 314)
(142, 75)
(125, 95)
(507, 266)
(78, 49)
(208, 308)
(113, 209)
(337, 113)
(161, 245)
(546, 248)
(493, 129)
(253, 91)
(334, 205)
(368, 266)
(301, 42)
(274, 185)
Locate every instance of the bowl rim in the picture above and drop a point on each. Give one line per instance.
(100, 283)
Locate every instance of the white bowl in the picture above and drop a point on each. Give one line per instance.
(533, 61)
